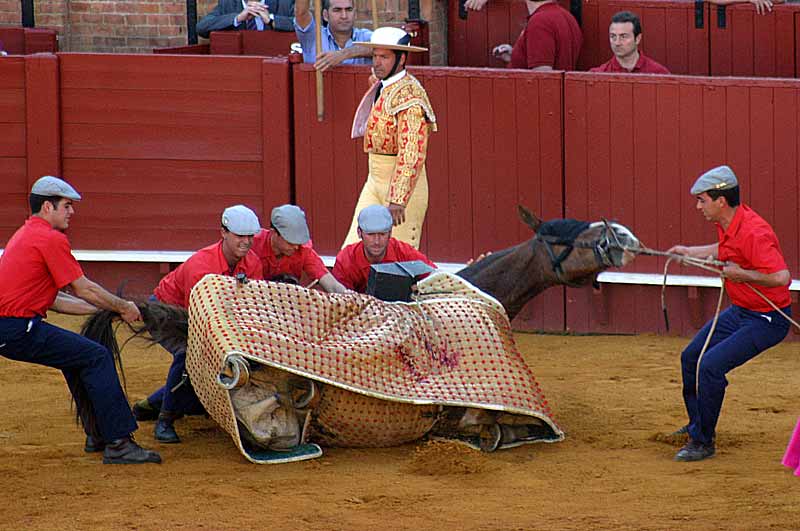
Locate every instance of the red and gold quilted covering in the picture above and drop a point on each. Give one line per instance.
(452, 347)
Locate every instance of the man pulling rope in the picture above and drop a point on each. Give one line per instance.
(749, 254)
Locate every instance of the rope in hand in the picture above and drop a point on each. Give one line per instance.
(709, 264)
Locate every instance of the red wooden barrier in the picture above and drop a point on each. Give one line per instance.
(21, 41)
(160, 145)
(191, 49)
(635, 144)
(13, 155)
(499, 144)
(40, 40)
(669, 34)
(13, 40)
(267, 43)
(750, 44)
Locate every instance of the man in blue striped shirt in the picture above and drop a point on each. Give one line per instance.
(339, 38)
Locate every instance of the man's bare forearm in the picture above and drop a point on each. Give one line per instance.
(69, 304)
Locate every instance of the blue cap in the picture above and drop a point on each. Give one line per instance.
(375, 218)
(240, 220)
(719, 178)
(54, 187)
(290, 222)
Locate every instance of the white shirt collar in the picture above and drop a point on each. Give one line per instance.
(395, 78)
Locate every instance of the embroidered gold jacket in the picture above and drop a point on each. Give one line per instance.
(399, 124)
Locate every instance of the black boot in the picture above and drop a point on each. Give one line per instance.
(164, 430)
(126, 452)
(93, 444)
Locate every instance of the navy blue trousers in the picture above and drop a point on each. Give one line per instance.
(740, 336)
(177, 395)
(83, 362)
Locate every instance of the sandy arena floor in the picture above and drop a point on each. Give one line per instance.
(615, 397)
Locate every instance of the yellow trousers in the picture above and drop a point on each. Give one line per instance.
(376, 192)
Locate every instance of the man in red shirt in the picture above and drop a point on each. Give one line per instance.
(625, 34)
(36, 264)
(286, 249)
(551, 40)
(376, 247)
(230, 256)
(746, 328)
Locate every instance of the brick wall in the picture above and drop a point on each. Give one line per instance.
(138, 26)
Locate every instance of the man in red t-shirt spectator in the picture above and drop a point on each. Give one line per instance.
(751, 324)
(551, 40)
(625, 34)
(36, 264)
(286, 249)
(230, 256)
(376, 247)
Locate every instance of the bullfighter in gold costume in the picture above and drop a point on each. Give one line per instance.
(395, 118)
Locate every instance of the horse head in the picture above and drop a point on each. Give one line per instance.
(579, 250)
(562, 251)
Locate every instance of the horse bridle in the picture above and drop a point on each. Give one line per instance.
(601, 248)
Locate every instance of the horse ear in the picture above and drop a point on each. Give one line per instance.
(529, 218)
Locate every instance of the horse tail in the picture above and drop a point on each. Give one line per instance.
(100, 329)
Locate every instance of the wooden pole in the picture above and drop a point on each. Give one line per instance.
(374, 15)
(320, 88)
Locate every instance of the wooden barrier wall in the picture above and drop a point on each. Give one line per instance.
(21, 41)
(498, 145)
(635, 144)
(732, 40)
(159, 145)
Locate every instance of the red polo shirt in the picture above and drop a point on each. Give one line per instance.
(551, 38)
(304, 260)
(752, 244)
(644, 65)
(36, 263)
(177, 285)
(352, 267)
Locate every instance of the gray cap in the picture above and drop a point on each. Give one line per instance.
(54, 187)
(290, 222)
(719, 178)
(375, 218)
(240, 220)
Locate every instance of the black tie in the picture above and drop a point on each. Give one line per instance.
(378, 92)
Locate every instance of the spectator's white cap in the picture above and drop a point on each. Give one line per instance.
(290, 222)
(393, 39)
(375, 218)
(719, 178)
(54, 187)
(240, 220)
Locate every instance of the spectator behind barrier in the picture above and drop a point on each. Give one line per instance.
(255, 15)
(551, 40)
(624, 35)
(339, 38)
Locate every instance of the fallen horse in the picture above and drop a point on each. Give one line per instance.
(277, 365)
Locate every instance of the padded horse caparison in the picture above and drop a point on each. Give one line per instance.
(564, 232)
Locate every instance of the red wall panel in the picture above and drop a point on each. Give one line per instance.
(635, 145)
(160, 145)
(498, 144)
(751, 44)
(13, 148)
